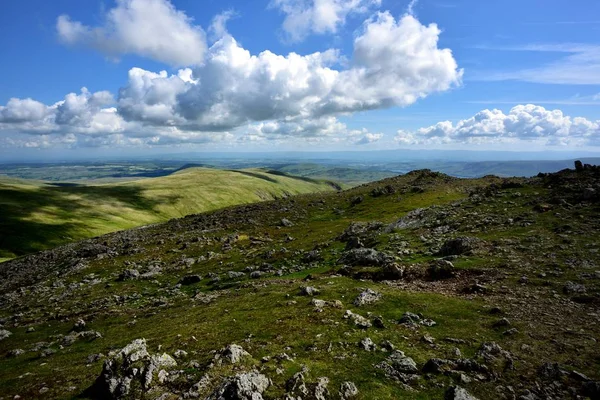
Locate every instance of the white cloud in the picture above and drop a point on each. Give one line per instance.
(523, 123)
(580, 67)
(23, 110)
(369, 138)
(394, 64)
(303, 17)
(150, 28)
(218, 26)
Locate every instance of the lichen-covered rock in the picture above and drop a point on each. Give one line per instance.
(365, 257)
(130, 372)
(4, 334)
(348, 390)
(367, 296)
(357, 319)
(245, 386)
(458, 393)
(233, 354)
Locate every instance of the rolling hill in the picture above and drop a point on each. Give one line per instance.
(36, 215)
(421, 286)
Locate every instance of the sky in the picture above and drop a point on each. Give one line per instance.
(134, 76)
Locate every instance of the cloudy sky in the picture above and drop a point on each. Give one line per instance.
(237, 75)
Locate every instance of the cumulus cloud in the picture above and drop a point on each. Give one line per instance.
(303, 17)
(369, 138)
(394, 64)
(523, 123)
(150, 28)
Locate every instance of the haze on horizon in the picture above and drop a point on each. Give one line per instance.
(134, 77)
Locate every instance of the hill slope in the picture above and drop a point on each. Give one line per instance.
(406, 288)
(35, 215)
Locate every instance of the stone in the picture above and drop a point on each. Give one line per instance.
(15, 352)
(348, 390)
(441, 269)
(358, 320)
(309, 291)
(233, 353)
(129, 274)
(573, 288)
(458, 393)
(459, 246)
(190, 279)
(286, 222)
(79, 325)
(367, 344)
(367, 296)
(365, 257)
(256, 274)
(244, 386)
(321, 391)
(4, 334)
(235, 274)
(180, 354)
(402, 363)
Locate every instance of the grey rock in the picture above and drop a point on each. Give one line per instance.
(309, 291)
(4, 334)
(15, 352)
(365, 257)
(79, 325)
(458, 393)
(441, 269)
(286, 222)
(321, 391)
(348, 390)
(573, 288)
(235, 274)
(367, 344)
(357, 319)
(233, 353)
(244, 386)
(368, 296)
(129, 274)
(460, 245)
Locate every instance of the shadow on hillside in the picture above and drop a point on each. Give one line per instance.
(254, 175)
(20, 235)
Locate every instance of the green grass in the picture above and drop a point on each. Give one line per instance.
(35, 215)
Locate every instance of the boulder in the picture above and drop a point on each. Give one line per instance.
(458, 393)
(365, 257)
(458, 246)
(232, 354)
(348, 391)
(244, 386)
(368, 296)
(441, 269)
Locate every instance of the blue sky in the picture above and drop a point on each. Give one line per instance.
(367, 74)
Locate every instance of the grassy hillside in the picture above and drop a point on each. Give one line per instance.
(500, 275)
(346, 175)
(35, 215)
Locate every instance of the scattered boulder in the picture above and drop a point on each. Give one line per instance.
(244, 386)
(232, 354)
(411, 319)
(235, 274)
(15, 352)
(459, 246)
(129, 274)
(367, 344)
(400, 367)
(368, 296)
(130, 372)
(348, 390)
(286, 222)
(357, 319)
(79, 325)
(573, 288)
(309, 291)
(365, 257)
(441, 269)
(321, 391)
(4, 334)
(458, 393)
